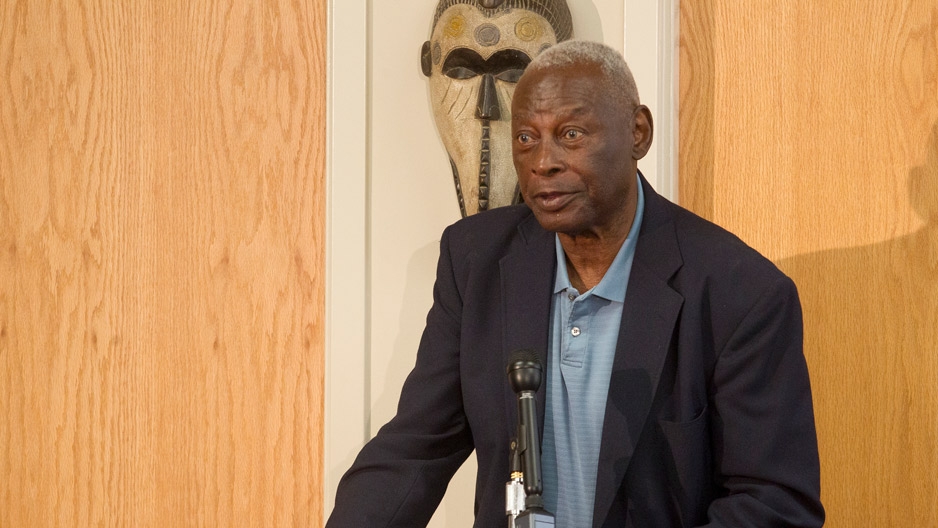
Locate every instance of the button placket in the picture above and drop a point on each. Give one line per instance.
(573, 347)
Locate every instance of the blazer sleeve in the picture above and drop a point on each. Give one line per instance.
(764, 439)
(400, 476)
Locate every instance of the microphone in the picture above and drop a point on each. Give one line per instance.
(524, 375)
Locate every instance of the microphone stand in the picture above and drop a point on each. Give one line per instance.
(514, 489)
(524, 374)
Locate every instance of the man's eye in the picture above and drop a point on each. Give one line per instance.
(572, 134)
(523, 138)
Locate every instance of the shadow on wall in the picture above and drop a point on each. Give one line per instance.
(871, 324)
(457, 505)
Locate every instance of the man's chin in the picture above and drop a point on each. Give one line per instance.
(558, 221)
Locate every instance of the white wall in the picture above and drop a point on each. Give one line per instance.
(391, 194)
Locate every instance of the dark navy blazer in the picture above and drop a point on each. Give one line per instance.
(709, 420)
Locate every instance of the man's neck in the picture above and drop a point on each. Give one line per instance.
(590, 253)
(588, 258)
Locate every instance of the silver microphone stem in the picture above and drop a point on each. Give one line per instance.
(514, 498)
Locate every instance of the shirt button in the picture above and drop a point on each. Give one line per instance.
(571, 296)
(575, 331)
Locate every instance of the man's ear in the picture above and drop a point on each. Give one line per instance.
(643, 130)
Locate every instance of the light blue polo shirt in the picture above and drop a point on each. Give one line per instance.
(583, 334)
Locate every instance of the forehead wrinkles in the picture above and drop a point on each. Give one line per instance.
(548, 112)
(557, 96)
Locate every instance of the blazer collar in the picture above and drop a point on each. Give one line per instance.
(648, 320)
(527, 274)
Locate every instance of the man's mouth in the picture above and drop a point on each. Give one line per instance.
(552, 201)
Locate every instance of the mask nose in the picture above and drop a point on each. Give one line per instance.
(487, 107)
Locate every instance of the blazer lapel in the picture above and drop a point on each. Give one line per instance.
(648, 320)
(527, 278)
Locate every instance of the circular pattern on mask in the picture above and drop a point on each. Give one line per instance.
(487, 35)
(455, 26)
(436, 53)
(528, 29)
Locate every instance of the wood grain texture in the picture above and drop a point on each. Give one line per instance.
(161, 262)
(823, 154)
(696, 98)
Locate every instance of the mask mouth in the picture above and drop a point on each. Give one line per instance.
(485, 166)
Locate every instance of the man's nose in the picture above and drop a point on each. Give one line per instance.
(547, 158)
(487, 107)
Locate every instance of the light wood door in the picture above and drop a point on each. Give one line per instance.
(811, 130)
(161, 262)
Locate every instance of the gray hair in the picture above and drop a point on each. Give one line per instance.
(555, 12)
(617, 77)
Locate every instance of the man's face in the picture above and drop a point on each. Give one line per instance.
(573, 151)
(476, 62)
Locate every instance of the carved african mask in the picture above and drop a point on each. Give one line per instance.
(477, 51)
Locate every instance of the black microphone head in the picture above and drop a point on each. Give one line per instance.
(524, 371)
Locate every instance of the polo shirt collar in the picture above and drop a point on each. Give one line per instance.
(609, 287)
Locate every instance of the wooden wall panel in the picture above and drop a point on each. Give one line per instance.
(161, 262)
(811, 130)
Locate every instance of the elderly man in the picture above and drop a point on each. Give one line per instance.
(677, 393)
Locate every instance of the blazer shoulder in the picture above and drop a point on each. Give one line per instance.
(493, 228)
(712, 249)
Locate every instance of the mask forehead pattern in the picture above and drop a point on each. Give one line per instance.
(555, 12)
(487, 35)
(465, 26)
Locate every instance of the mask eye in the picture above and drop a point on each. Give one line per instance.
(463, 63)
(505, 65)
(508, 64)
(511, 75)
(459, 72)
